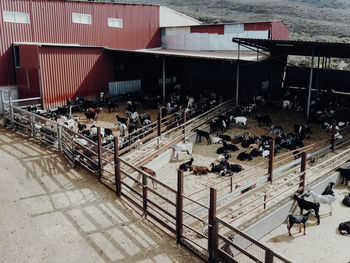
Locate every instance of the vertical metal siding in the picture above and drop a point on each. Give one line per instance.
(210, 29)
(279, 31)
(28, 56)
(9, 33)
(72, 72)
(257, 26)
(51, 22)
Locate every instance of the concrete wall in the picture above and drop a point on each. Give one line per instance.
(277, 217)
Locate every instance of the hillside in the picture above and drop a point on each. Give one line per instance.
(326, 20)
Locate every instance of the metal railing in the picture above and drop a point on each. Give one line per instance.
(166, 207)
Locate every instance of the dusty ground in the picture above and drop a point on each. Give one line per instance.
(107, 120)
(322, 243)
(204, 154)
(53, 213)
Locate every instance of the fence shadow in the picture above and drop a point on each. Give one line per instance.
(111, 232)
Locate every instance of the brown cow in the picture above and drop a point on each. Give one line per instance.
(152, 173)
(92, 114)
(198, 170)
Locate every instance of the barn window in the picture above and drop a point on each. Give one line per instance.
(115, 22)
(16, 17)
(81, 18)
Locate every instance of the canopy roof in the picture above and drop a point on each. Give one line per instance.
(299, 48)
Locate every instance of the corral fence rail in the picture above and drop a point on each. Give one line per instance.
(162, 205)
(232, 190)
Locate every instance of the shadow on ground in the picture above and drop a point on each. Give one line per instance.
(96, 223)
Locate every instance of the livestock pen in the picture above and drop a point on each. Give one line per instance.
(169, 208)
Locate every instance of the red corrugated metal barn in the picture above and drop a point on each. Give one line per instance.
(59, 72)
(124, 26)
(57, 49)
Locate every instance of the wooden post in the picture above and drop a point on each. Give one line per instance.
(59, 136)
(265, 201)
(179, 205)
(333, 135)
(268, 256)
(32, 123)
(144, 194)
(212, 230)
(99, 153)
(184, 124)
(303, 171)
(231, 179)
(118, 183)
(271, 155)
(159, 121)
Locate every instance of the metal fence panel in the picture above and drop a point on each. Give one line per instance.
(124, 87)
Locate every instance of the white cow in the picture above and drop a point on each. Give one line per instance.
(338, 136)
(81, 141)
(94, 131)
(215, 140)
(122, 127)
(265, 153)
(190, 102)
(241, 120)
(285, 104)
(182, 147)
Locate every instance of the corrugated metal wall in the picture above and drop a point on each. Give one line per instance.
(257, 26)
(73, 72)
(124, 87)
(279, 31)
(210, 29)
(234, 29)
(51, 22)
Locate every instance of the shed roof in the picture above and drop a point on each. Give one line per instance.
(300, 48)
(245, 55)
(213, 55)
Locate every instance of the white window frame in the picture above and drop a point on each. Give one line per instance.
(16, 17)
(115, 22)
(79, 18)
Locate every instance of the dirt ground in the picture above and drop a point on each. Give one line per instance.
(322, 243)
(107, 120)
(51, 212)
(204, 154)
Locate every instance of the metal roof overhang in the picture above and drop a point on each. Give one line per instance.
(229, 55)
(298, 48)
(208, 55)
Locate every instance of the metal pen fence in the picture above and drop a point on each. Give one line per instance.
(166, 207)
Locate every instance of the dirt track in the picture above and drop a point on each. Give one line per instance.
(53, 213)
